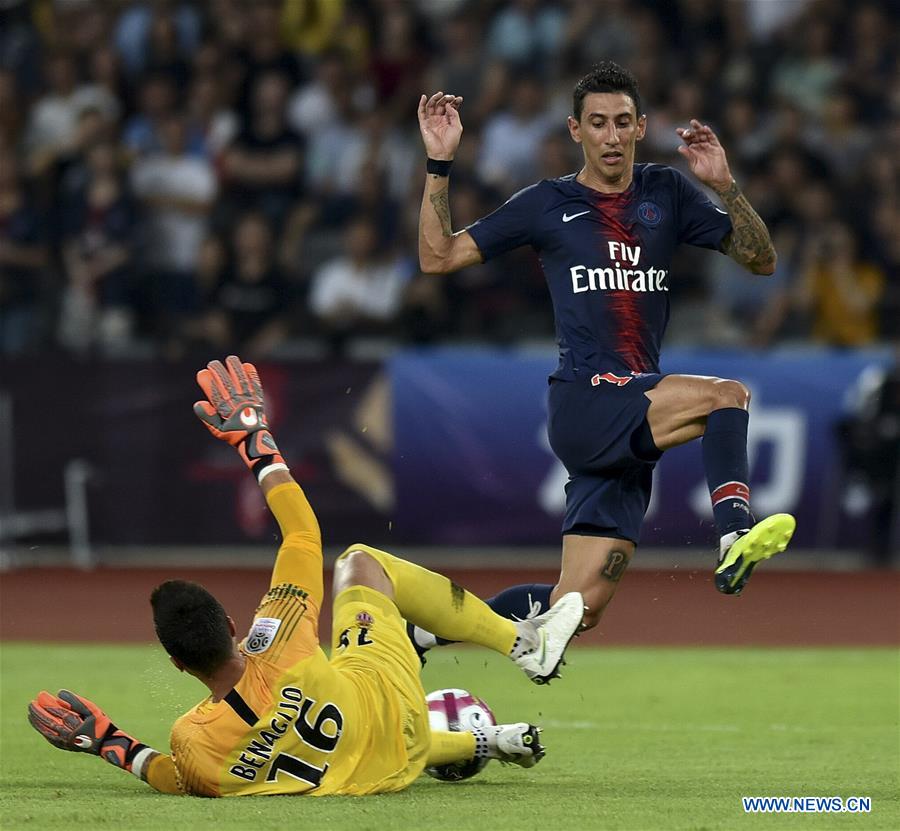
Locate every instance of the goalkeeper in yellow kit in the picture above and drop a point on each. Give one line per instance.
(281, 717)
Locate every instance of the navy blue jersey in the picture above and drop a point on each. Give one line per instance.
(606, 258)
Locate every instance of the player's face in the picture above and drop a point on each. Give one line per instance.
(607, 132)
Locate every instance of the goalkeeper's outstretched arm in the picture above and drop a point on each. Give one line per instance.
(71, 722)
(234, 411)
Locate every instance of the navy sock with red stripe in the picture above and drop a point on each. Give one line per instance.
(727, 469)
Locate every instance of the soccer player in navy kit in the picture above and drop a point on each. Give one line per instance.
(605, 237)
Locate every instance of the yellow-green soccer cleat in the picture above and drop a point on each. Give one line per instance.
(763, 540)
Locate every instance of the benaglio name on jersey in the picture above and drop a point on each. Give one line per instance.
(292, 711)
(618, 276)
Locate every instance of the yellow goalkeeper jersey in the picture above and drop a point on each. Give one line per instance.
(298, 722)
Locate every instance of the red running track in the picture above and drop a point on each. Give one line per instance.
(651, 607)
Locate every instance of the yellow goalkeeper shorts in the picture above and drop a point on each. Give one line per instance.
(369, 642)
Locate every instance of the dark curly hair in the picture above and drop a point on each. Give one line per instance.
(606, 76)
(191, 625)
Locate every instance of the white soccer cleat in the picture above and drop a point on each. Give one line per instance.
(552, 632)
(519, 744)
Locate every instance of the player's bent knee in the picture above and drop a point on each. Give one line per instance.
(356, 559)
(357, 567)
(728, 393)
(355, 548)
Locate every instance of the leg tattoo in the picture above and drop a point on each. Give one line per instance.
(616, 563)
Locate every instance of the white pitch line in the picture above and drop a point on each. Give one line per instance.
(653, 728)
(668, 728)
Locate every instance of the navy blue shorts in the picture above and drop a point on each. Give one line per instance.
(597, 430)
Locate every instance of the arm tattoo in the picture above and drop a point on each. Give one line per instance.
(749, 242)
(441, 203)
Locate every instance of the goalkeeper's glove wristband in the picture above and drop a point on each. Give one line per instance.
(124, 751)
(261, 454)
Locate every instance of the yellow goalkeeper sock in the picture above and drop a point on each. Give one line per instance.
(450, 747)
(435, 603)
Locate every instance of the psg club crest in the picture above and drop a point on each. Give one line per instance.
(649, 214)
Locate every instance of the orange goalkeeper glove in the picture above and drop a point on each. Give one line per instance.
(235, 412)
(71, 722)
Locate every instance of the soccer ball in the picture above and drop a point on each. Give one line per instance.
(457, 711)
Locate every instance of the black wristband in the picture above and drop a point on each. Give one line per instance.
(439, 167)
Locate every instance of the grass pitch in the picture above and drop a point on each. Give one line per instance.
(636, 738)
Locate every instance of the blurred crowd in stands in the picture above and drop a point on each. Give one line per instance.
(183, 175)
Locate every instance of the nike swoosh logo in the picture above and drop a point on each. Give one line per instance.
(567, 218)
(721, 211)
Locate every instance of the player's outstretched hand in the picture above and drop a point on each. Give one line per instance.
(69, 721)
(705, 155)
(235, 406)
(235, 411)
(440, 125)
